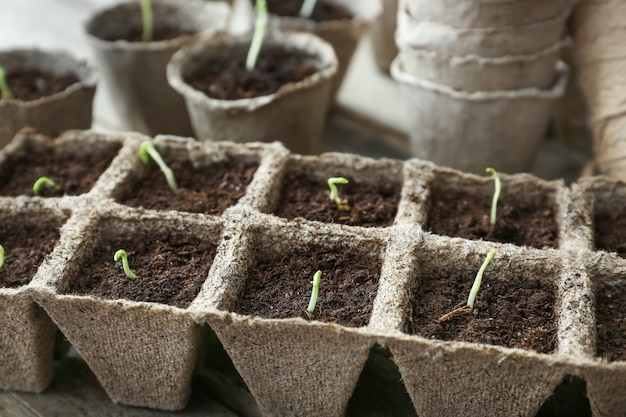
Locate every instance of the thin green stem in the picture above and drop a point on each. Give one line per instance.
(38, 185)
(5, 91)
(496, 194)
(148, 149)
(121, 254)
(307, 8)
(259, 33)
(1, 256)
(317, 278)
(147, 19)
(479, 279)
(342, 204)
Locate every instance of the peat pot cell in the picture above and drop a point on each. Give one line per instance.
(280, 286)
(25, 244)
(464, 211)
(27, 85)
(611, 321)
(610, 229)
(74, 172)
(323, 11)
(170, 269)
(209, 189)
(513, 308)
(370, 204)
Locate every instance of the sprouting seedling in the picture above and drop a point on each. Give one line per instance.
(259, 32)
(121, 254)
(5, 91)
(317, 278)
(307, 8)
(38, 185)
(342, 203)
(471, 300)
(496, 194)
(148, 149)
(147, 19)
(1, 256)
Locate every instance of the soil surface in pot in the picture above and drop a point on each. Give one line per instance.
(322, 11)
(170, 269)
(611, 323)
(280, 287)
(75, 172)
(371, 205)
(209, 190)
(25, 248)
(226, 78)
(610, 229)
(459, 214)
(512, 313)
(32, 85)
(160, 34)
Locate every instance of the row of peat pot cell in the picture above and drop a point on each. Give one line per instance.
(234, 250)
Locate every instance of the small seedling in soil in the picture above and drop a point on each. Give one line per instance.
(121, 254)
(471, 300)
(1, 256)
(38, 185)
(5, 91)
(148, 149)
(307, 8)
(342, 203)
(147, 19)
(317, 278)
(496, 195)
(259, 33)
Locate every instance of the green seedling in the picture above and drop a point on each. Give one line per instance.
(38, 185)
(5, 91)
(496, 195)
(147, 18)
(471, 300)
(307, 8)
(1, 256)
(317, 278)
(259, 33)
(121, 254)
(147, 149)
(342, 203)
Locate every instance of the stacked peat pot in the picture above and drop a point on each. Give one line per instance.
(480, 78)
(551, 304)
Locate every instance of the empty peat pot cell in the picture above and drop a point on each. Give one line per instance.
(525, 212)
(611, 319)
(514, 307)
(27, 85)
(610, 227)
(72, 170)
(209, 188)
(321, 12)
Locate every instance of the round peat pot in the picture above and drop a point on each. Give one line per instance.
(295, 114)
(471, 131)
(134, 71)
(70, 108)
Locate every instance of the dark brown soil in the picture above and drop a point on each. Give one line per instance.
(610, 231)
(281, 287)
(512, 313)
(75, 173)
(32, 85)
(209, 190)
(160, 34)
(459, 214)
(611, 324)
(321, 12)
(371, 205)
(170, 269)
(227, 78)
(25, 248)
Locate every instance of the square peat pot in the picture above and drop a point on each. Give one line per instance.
(294, 362)
(28, 233)
(137, 336)
(210, 176)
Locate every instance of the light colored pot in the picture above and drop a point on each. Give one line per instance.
(487, 13)
(471, 131)
(134, 72)
(68, 109)
(382, 35)
(295, 114)
(475, 73)
(486, 42)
